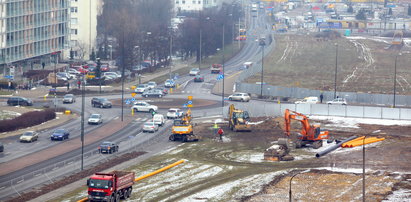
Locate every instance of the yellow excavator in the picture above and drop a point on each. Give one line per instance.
(183, 129)
(238, 119)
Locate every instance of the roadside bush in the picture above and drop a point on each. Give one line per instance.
(27, 119)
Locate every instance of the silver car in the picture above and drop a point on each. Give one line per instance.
(243, 97)
(150, 127)
(95, 119)
(69, 98)
(337, 101)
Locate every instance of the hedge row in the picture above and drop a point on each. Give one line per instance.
(26, 120)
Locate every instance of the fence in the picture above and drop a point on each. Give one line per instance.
(351, 97)
(274, 109)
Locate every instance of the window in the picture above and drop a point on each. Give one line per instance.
(177, 2)
(74, 31)
(74, 9)
(199, 2)
(73, 21)
(183, 2)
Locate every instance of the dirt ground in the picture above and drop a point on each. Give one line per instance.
(363, 64)
(234, 169)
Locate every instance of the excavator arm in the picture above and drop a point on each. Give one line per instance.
(292, 115)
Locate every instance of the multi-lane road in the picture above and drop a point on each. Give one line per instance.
(129, 137)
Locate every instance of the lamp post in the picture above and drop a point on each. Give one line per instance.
(111, 52)
(290, 192)
(363, 169)
(83, 91)
(262, 44)
(395, 77)
(335, 75)
(222, 92)
(171, 50)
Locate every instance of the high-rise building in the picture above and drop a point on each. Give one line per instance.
(32, 31)
(83, 27)
(194, 5)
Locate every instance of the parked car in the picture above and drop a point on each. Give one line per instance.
(308, 100)
(13, 101)
(141, 88)
(73, 71)
(174, 113)
(108, 147)
(1, 147)
(112, 74)
(153, 93)
(104, 67)
(69, 98)
(164, 90)
(194, 71)
(338, 101)
(243, 97)
(169, 83)
(151, 84)
(29, 136)
(159, 119)
(60, 134)
(95, 119)
(144, 107)
(101, 102)
(150, 127)
(198, 78)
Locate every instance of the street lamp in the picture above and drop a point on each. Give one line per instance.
(111, 52)
(395, 76)
(290, 192)
(83, 91)
(262, 44)
(363, 169)
(222, 92)
(171, 49)
(335, 75)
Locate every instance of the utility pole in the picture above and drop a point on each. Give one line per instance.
(335, 75)
(83, 92)
(222, 92)
(171, 50)
(122, 76)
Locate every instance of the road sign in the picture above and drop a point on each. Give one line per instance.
(184, 105)
(190, 102)
(220, 76)
(8, 76)
(175, 77)
(133, 99)
(189, 105)
(190, 97)
(128, 102)
(133, 94)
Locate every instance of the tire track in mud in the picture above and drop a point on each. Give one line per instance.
(289, 52)
(358, 71)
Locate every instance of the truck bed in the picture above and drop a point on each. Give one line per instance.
(124, 179)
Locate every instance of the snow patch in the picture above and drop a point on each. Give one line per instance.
(399, 195)
(344, 122)
(255, 123)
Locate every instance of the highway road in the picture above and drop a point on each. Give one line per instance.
(129, 138)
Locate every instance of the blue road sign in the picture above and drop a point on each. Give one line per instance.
(133, 99)
(220, 76)
(185, 105)
(8, 76)
(128, 102)
(190, 102)
(175, 77)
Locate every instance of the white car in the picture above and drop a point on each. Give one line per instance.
(73, 71)
(337, 101)
(141, 88)
(308, 100)
(95, 119)
(142, 106)
(174, 113)
(151, 84)
(112, 74)
(159, 119)
(169, 83)
(243, 97)
(150, 127)
(194, 72)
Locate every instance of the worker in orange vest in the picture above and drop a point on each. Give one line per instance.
(221, 133)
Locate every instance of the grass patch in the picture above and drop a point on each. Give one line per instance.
(363, 65)
(2, 92)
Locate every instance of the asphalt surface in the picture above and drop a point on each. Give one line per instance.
(130, 137)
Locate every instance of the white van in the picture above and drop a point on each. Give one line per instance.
(308, 100)
(158, 119)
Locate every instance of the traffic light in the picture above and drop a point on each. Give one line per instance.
(98, 70)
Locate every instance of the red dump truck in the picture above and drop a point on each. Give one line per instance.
(110, 186)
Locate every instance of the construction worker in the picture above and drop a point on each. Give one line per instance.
(221, 133)
(215, 127)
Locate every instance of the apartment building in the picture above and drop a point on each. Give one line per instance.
(83, 27)
(32, 31)
(194, 5)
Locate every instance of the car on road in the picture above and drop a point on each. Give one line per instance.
(337, 101)
(162, 89)
(216, 68)
(153, 93)
(69, 98)
(194, 71)
(13, 101)
(141, 88)
(151, 84)
(169, 83)
(29, 136)
(142, 106)
(108, 147)
(113, 75)
(66, 75)
(95, 119)
(101, 102)
(104, 67)
(308, 100)
(174, 113)
(73, 71)
(150, 127)
(243, 97)
(159, 119)
(198, 78)
(60, 134)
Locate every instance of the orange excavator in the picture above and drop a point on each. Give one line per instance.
(310, 134)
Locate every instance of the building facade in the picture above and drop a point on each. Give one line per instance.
(83, 27)
(32, 31)
(193, 5)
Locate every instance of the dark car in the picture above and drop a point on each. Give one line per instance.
(153, 93)
(13, 101)
(164, 90)
(108, 147)
(199, 78)
(60, 134)
(101, 102)
(1, 147)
